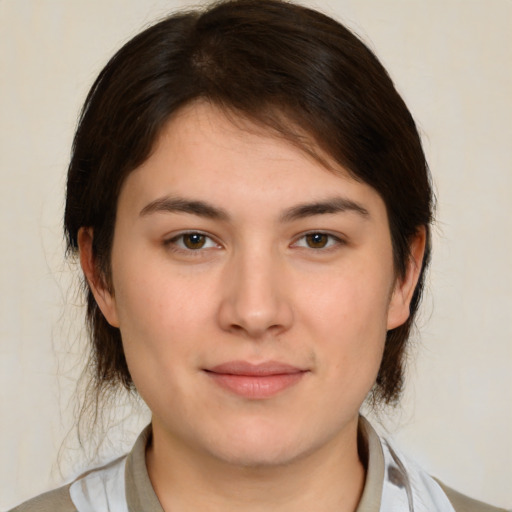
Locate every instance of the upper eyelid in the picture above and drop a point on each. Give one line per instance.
(338, 236)
(336, 242)
(178, 234)
(171, 239)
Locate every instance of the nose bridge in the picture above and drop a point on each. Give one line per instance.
(255, 300)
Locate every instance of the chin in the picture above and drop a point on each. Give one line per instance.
(261, 448)
(258, 458)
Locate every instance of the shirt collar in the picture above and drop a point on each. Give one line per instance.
(140, 494)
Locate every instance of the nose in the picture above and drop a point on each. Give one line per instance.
(255, 302)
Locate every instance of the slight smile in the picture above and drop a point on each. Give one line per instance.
(255, 381)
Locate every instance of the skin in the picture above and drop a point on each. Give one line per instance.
(258, 289)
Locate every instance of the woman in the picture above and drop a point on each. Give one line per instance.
(251, 206)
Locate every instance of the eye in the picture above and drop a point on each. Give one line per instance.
(318, 240)
(192, 241)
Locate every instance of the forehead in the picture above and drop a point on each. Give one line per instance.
(205, 153)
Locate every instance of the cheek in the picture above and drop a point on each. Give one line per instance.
(150, 293)
(156, 315)
(147, 308)
(347, 315)
(354, 298)
(159, 336)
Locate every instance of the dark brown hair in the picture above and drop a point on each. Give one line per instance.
(288, 68)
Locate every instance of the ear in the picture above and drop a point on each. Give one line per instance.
(103, 296)
(398, 311)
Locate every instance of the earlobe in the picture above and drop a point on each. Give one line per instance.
(103, 296)
(398, 311)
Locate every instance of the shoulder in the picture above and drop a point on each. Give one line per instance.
(400, 477)
(462, 503)
(58, 500)
(103, 485)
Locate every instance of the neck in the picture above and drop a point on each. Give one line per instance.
(330, 478)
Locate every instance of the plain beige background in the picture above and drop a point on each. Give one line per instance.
(452, 62)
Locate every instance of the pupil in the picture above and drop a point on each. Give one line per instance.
(194, 241)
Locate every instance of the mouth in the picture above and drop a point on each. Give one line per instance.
(255, 381)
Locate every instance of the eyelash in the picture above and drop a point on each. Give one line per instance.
(333, 241)
(176, 243)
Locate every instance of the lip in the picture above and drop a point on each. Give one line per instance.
(255, 381)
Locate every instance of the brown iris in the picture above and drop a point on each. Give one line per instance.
(317, 240)
(194, 240)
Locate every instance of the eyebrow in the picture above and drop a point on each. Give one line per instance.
(176, 204)
(169, 204)
(333, 205)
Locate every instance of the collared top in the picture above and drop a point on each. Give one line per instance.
(139, 495)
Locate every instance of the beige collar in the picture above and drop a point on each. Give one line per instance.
(141, 496)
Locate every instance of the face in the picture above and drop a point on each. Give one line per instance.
(253, 289)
